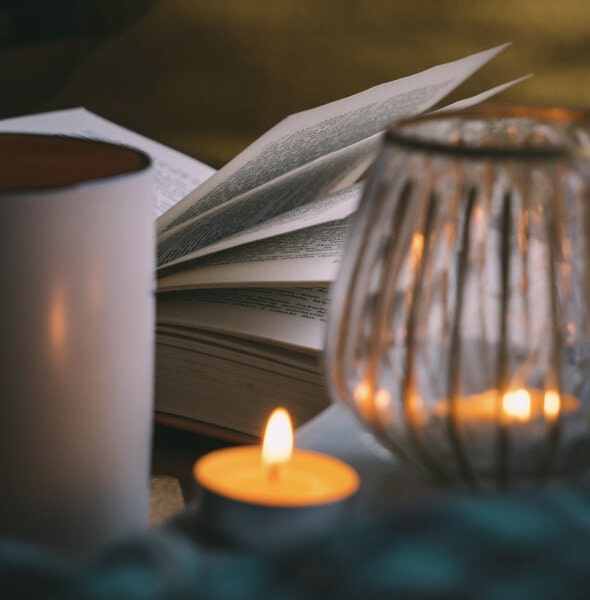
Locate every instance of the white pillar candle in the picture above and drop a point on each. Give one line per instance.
(76, 338)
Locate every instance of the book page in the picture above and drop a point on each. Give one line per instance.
(299, 187)
(175, 174)
(296, 188)
(291, 317)
(243, 349)
(308, 256)
(481, 97)
(306, 137)
(304, 259)
(331, 207)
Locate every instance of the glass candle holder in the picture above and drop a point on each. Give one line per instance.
(459, 330)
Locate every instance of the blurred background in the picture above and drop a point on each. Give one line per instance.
(207, 78)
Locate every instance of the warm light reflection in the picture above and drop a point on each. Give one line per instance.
(382, 400)
(363, 399)
(517, 404)
(551, 404)
(277, 445)
(417, 248)
(478, 215)
(57, 324)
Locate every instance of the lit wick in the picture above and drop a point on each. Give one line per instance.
(277, 445)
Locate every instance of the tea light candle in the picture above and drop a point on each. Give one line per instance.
(520, 405)
(274, 494)
(505, 438)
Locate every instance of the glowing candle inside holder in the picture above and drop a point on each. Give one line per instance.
(519, 405)
(275, 494)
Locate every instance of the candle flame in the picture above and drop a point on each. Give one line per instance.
(277, 445)
(517, 405)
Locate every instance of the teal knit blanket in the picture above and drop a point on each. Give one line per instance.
(492, 546)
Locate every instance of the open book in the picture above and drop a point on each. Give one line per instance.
(246, 254)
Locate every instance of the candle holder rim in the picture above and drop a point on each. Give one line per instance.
(396, 133)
